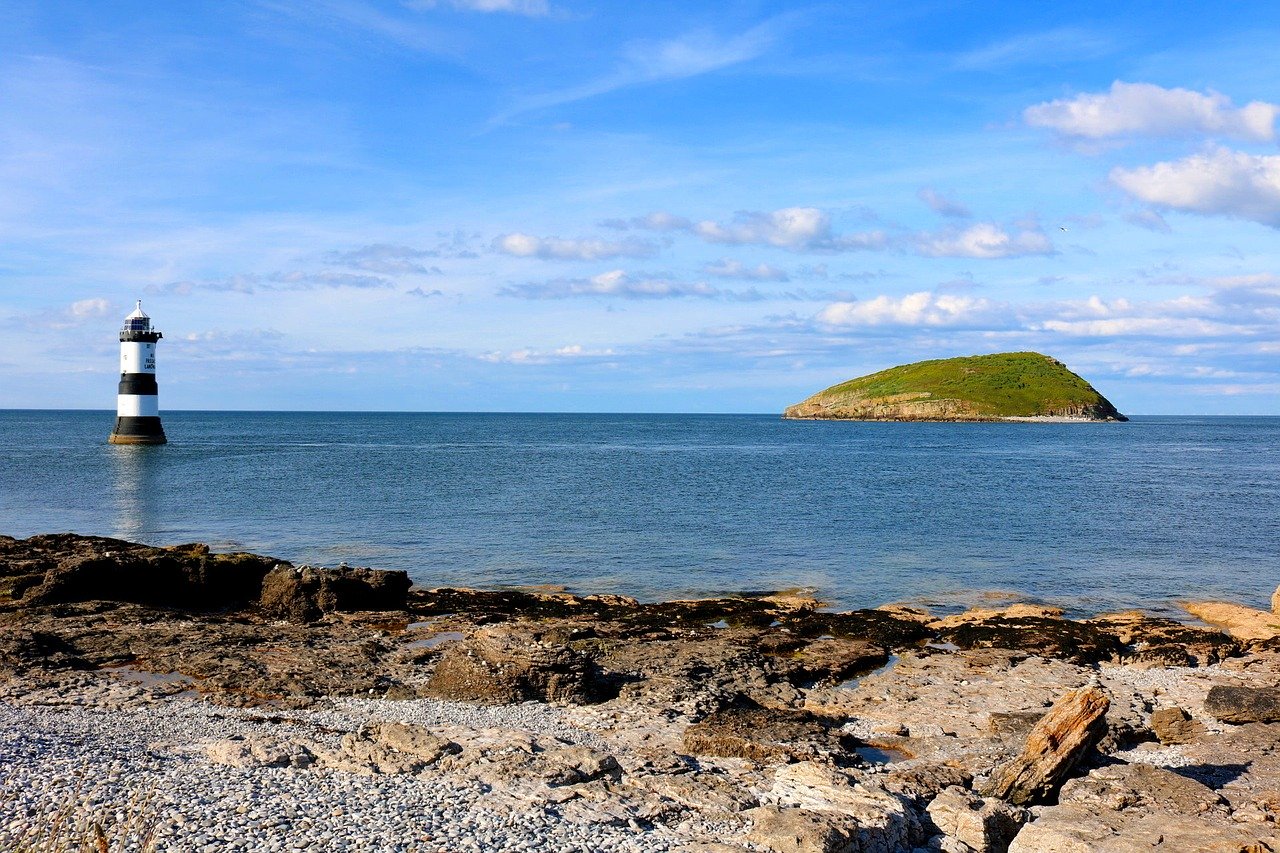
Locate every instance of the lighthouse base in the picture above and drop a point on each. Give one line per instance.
(138, 430)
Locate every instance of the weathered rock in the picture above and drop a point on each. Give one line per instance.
(304, 594)
(1175, 725)
(1165, 642)
(390, 748)
(1243, 623)
(1232, 704)
(890, 629)
(985, 825)
(95, 568)
(800, 831)
(872, 826)
(574, 764)
(22, 650)
(768, 735)
(260, 751)
(1047, 636)
(1275, 601)
(1075, 723)
(828, 660)
(921, 781)
(514, 662)
(1127, 808)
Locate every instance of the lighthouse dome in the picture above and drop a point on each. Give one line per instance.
(137, 321)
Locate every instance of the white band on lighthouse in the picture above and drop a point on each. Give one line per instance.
(137, 406)
(137, 357)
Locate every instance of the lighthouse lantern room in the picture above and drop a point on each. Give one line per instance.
(137, 403)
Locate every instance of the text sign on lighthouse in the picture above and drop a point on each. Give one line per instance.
(137, 403)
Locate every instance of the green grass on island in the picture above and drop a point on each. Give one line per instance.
(968, 388)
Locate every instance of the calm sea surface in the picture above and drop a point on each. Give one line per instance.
(1091, 516)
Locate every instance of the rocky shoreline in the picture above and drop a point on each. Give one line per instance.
(175, 699)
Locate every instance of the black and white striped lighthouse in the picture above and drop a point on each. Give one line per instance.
(137, 404)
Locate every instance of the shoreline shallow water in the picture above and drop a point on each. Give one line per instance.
(660, 507)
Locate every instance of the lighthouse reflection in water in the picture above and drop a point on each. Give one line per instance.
(134, 469)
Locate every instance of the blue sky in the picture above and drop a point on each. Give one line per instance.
(561, 206)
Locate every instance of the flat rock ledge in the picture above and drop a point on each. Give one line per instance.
(175, 699)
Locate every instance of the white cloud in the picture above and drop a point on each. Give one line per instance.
(1143, 109)
(1220, 182)
(795, 228)
(530, 8)
(729, 268)
(924, 308)
(584, 249)
(790, 228)
(88, 308)
(984, 240)
(942, 205)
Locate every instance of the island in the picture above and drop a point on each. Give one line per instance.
(998, 387)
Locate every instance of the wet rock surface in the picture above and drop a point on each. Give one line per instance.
(515, 719)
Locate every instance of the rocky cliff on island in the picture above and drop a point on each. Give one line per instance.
(175, 699)
(1002, 386)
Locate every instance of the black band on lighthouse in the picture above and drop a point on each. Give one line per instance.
(132, 430)
(139, 383)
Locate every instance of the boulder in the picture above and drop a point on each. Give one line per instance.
(1174, 726)
(876, 824)
(259, 751)
(1074, 724)
(305, 593)
(514, 662)
(1275, 601)
(984, 825)
(1232, 704)
(800, 831)
(390, 748)
(767, 735)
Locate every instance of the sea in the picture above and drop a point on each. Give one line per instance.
(1088, 516)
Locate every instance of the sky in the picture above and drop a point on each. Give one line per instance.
(555, 205)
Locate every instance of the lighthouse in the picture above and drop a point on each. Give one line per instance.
(137, 404)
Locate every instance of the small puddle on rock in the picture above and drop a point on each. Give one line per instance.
(853, 683)
(436, 640)
(720, 624)
(880, 755)
(942, 647)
